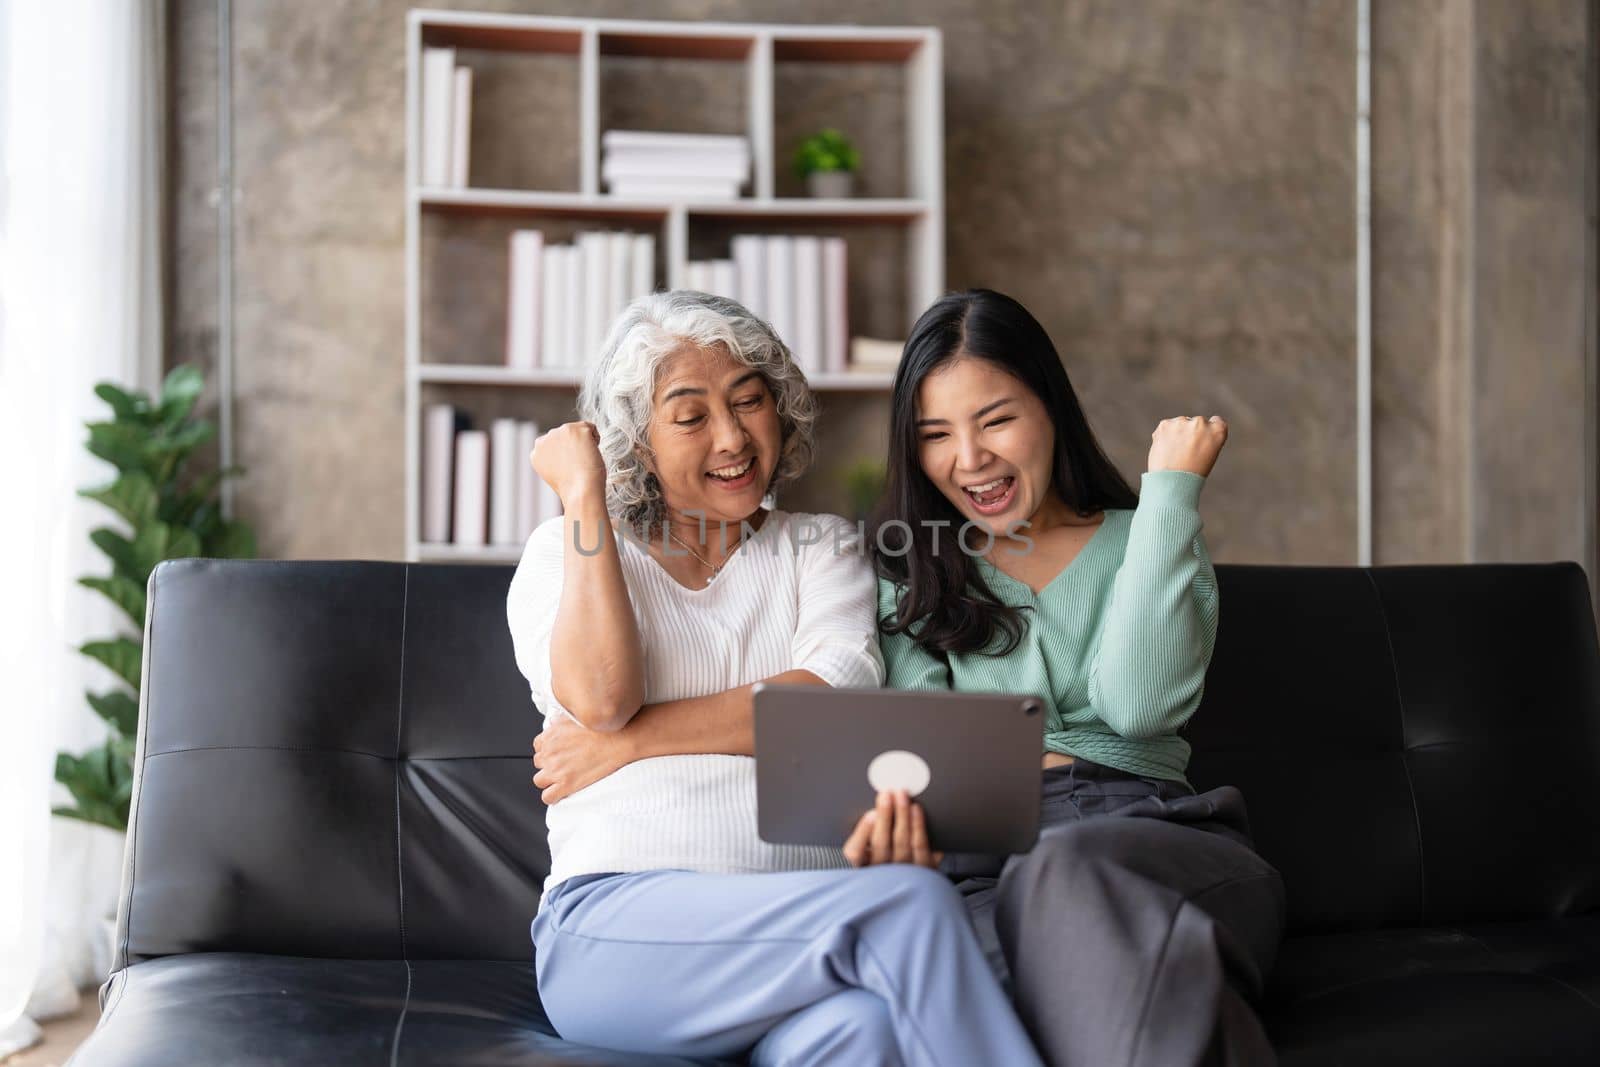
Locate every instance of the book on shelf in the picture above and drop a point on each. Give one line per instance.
(503, 482)
(525, 303)
(750, 262)
(875, 355)
(642, 262)
(658, 189)
(594, 246)
(724, 278)
(835, 306)
(446, 119)
(780, 287)
(697, 276)
(472, 489)
(555, 305)
(460, 126)
(563, 299)
(479, 488)
(526, 502)
(799, 284)
(573, 353)
(438, 74)
(807, 340)
(659, 140)
(618, 274)
(715, 276)
(440, 424)
(650, 165)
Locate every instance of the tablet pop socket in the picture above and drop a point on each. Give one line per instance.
(899, 769)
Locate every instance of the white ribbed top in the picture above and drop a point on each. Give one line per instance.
(796, 595)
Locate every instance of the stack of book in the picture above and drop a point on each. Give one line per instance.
(478, 487)
(797, 283)
(446, 118)
(874, 355)
(564, 298)
(674, 166)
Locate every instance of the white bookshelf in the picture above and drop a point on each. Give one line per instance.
(753, 49)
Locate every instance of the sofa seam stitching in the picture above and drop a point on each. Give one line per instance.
(327, 750)
(399, 853)
(1405, 764)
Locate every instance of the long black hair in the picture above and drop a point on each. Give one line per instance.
(945, 595)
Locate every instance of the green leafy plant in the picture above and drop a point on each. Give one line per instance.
(826, 150)
(864, 483)
(170, 517)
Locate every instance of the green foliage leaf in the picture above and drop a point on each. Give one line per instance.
(101, 784)
(206, 522)
(827, 149)
(122, 654)
(864, 484)
(131, 407)
(171, 449)
(137, 558)
(186, 437)
(119, 769)
(122, 591)
(118, 549)
(197, 507)
(119, 708)
(184, 544)
(151, 545)
(133, 496)
(234, 540)
(179, 392)
(148, 443)
(121, 444)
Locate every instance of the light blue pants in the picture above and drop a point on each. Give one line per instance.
(871, 966)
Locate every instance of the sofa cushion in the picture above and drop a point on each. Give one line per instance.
(1513, 992)
(334, 760)
(242, 1009)
(1416, 744)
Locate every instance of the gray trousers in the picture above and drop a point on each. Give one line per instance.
(1138, 930)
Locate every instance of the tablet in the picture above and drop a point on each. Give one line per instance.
(972, 760)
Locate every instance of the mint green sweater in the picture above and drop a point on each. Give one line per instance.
(1118, 642)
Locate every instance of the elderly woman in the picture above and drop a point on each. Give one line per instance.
(642, 617)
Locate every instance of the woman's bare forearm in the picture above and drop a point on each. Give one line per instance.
(596, 659)
(722, 723)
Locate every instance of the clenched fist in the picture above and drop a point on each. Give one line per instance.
(1187, 443)
(568, 459)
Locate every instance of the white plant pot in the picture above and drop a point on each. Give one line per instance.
(830, 184)
(85, 880)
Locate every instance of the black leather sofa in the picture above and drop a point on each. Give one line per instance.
(336, 848)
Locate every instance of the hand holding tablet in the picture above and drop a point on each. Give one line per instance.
(894, 831)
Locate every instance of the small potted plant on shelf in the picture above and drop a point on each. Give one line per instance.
(828, 162)
(864, 482)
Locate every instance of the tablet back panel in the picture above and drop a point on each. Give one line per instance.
(815, 745)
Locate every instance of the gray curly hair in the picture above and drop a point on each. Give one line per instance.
(619, 389)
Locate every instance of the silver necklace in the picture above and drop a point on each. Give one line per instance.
(716, 568)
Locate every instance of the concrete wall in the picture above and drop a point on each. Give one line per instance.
(1168, 186)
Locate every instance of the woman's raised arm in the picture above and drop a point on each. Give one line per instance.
(571, 618)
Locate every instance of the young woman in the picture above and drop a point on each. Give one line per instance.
(1142, 924)
(641, 618)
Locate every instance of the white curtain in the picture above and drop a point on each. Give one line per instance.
(82, 104)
